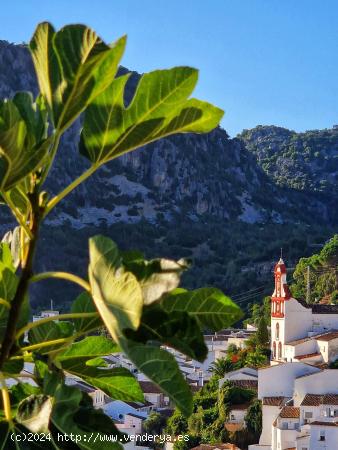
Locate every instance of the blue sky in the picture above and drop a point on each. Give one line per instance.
(262, 61)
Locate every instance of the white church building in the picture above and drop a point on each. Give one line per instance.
(300, 331)
(299, 393)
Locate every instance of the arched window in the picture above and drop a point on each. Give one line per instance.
(279, 350)
(277, 330)
(274, 350)
(277, 307)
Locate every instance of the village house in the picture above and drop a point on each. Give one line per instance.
(245, 374)
(119, 409)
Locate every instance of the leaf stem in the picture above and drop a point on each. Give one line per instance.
(61, 275)
(6, 400)
(31, 325)
(56, 341)
(17, 214)
(5, 303)
(53, 151)
(47, 343)
(55, 200)
(27, 269)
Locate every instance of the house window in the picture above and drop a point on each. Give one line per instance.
(277, 330)
(232, 417)
(279, 350)
(322, 435)
(307, 416)
(274, 350)
(277, 305)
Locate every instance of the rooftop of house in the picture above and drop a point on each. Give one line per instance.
(138, 416)
(290, 412)
(148, 387)
(274, 401)
(138, 405)
(325, 424)
(245, 384)
(215, 447)
(308, 355)
(240, 407)
(328, 336)
(317, 400)
(300, 341)
(318, 308)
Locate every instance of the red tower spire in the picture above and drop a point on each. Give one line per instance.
(281, 292)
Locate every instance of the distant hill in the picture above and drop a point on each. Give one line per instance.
(304, 161)
(208, 197)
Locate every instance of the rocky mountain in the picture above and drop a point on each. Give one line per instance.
(304, 161)
(208, 197)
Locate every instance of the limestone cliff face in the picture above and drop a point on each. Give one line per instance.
(186, 176)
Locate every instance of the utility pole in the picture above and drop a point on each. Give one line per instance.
(308, 287)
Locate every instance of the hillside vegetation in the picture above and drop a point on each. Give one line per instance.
(322, 270)
(304, 161)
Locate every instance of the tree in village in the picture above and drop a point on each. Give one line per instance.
(221, 366)
(177, 424)
(262, 334)
(136, 300)
(154, 423)
(253, 418)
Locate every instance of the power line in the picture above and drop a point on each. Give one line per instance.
(247, 292)
(252, 294)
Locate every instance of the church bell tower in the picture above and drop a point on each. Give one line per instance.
(281, 294)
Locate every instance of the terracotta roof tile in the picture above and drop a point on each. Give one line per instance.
(241, 407)
(290, 412)
(332, 334)
(299, 341)
(215, 447)
(328, 336)
(308, 355)
(245, 384)
(273, 401)
(148, 387)
(317, 400)
(324, 424)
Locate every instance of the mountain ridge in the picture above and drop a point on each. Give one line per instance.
(200, 195)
